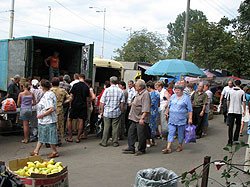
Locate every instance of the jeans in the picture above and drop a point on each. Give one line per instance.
(53, 72)
(197, 120)
(114, 123)
(137, 132)
(231, 119)
(172, 131)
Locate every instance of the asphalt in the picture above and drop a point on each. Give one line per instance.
(90, 165)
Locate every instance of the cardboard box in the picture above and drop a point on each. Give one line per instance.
(59, 179)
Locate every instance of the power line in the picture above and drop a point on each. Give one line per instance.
(215, 7)
(73, 33)
(224, 8)
(72, 12)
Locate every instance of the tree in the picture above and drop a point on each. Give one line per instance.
(143, 46)
(176, 32)
(241, 33)
(212, 46)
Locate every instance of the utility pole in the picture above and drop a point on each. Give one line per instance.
(49, 20)
(103, 33)
(11, 19)
(184, 48)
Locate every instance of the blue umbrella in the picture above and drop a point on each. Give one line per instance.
(175, 67)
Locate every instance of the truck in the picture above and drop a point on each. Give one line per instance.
(25, 56)
(103, 69)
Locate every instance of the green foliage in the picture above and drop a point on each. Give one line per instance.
(143, 46)
(222, 45)
(212, 46)
(176, 31)
(230, 170)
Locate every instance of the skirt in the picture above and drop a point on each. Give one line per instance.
(246, 118)
(47, 133)
(25, 114)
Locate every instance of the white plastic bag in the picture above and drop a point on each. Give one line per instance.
(218, 109)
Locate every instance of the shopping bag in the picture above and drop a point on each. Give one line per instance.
(218, 109)
(190, 135)
(8, 105)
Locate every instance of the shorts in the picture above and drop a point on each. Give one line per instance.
(25, 114)
(78, 113)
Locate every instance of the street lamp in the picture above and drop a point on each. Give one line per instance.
(103, 32)
(128, 29)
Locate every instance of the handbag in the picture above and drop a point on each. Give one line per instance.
(190, 134)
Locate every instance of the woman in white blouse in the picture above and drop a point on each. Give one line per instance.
(47, 118)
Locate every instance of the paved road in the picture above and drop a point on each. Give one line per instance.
(91, 165)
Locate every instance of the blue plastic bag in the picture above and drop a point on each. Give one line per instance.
(190, 135)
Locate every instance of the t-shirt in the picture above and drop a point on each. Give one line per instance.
(80, 93)
(13, 90)
(209, 100)
(235, 98)
(225, 91)
(163, 100)
(54, 62)
(247, 98)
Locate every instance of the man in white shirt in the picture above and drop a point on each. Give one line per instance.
(235, 98)
(131, 95)
(223, 99)
(76, 79)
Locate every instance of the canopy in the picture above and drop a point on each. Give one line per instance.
(174, 67)
(106, 63)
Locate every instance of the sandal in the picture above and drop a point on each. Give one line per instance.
(167, 150)
(77, 140)
(25, 141)
(69, 140)
(53, 155)
(33, 153)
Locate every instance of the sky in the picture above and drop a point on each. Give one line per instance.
(74, 20)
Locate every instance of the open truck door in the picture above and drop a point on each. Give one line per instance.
(87, 60)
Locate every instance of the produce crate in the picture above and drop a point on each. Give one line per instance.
(59, 179)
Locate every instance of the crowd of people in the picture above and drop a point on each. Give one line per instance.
(143, 112)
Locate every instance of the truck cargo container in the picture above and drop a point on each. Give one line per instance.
(25, 56)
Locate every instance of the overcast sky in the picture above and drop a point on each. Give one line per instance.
(74, 20)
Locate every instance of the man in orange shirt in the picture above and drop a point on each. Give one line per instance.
(54, 65)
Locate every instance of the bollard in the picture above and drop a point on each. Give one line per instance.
(205, 172)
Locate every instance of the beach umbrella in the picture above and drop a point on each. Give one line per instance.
(172, 67)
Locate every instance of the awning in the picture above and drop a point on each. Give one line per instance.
(144, 67)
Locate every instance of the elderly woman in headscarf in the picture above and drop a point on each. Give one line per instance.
(179, 112)
(38, 93)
